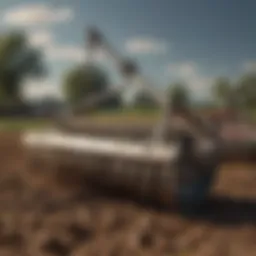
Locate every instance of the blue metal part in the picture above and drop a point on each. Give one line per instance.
(190, 195)
(196, 191)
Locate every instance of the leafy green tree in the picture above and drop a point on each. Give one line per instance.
(145, 101)
(223, 91)
(246, 91)
(18, 60)
(246, 95)
(112, 103)
(81, 81)
(180, 97)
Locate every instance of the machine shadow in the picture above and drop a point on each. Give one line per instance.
(227, 211)
(217, 210)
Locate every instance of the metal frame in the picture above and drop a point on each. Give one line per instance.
(129, 73)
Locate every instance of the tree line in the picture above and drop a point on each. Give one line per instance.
(239, 95)
(19, 60)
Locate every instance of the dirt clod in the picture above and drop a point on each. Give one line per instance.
(44, 217)
(80, 234)
(56, 247)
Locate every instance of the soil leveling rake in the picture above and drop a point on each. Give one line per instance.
(158, 162)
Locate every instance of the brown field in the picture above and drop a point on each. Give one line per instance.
(63, 218)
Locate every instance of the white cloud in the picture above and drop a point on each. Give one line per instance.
(55, 51)
(65, 53)
(52, 49)
(145, 46)
(249, 66)
(73, 53)
(36, 14)
(38, 89)
(40, 38)
(189, 73)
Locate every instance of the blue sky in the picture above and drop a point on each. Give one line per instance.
(195, 41)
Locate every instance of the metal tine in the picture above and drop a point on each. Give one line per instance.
(146, 182)
(155, 178)
(166, 183)
(116, 171)
(126, 175)
(133, 174)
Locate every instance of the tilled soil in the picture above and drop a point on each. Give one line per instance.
(46, 217)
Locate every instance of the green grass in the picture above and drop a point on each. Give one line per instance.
(137, 115)
(20, 124)
(253, 115)
(118, 116)
(17, 124)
